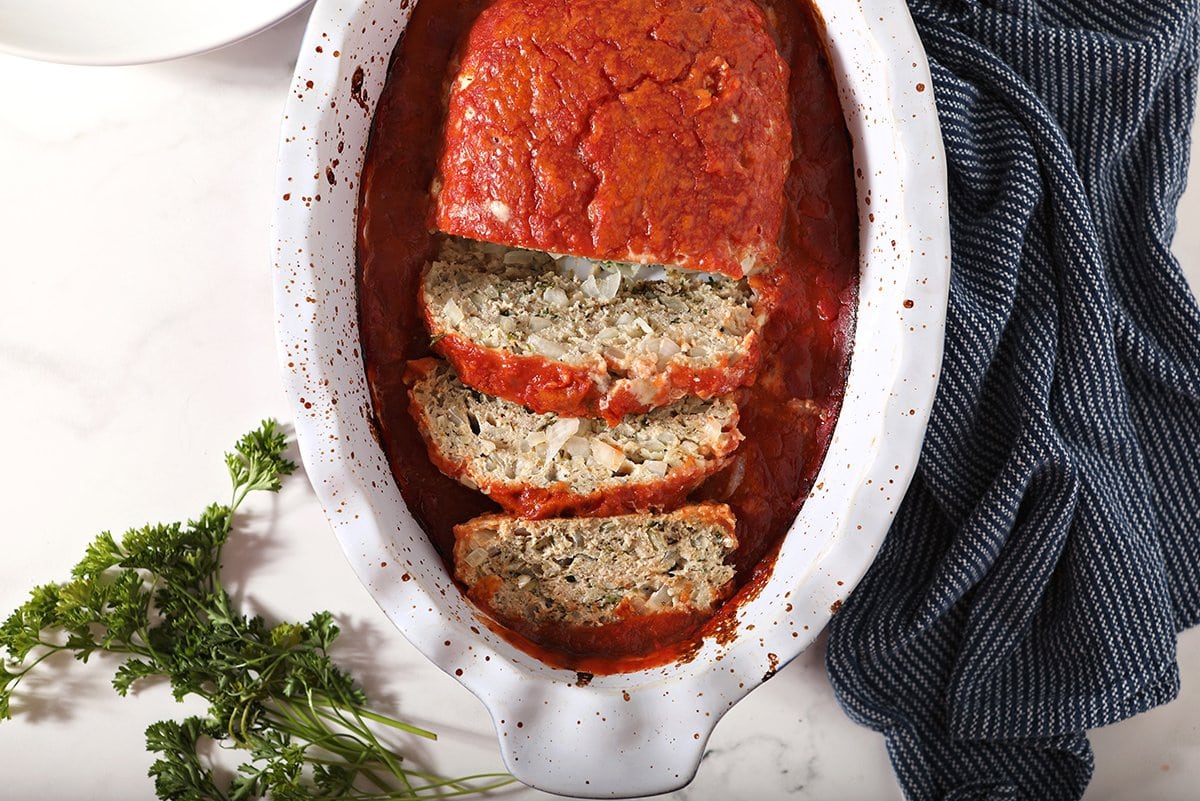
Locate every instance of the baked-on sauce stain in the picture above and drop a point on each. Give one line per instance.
(356, 87)
(787, 416)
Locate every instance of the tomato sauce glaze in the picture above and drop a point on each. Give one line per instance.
(787, 416)
(560, 108)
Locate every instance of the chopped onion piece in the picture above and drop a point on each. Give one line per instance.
(577, 447)
(661, 597)
(608, 456)
(668, 559)
(574, 266)
(674, 304)
(546, 347)
(652, 448)
(519, 257)
(476, 557)
(609, 284)
(643, 389)
(656, 467)
(555, 296)
(557, 435)
(453, 314)
(642, 272)
(590, 287)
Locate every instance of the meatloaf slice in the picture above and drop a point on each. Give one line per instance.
(596, 571)
(598, 344)
(543, 465)
(645, 132)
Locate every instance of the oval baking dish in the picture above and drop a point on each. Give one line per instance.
(642, 732)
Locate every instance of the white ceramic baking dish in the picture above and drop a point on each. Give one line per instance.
(637, 733)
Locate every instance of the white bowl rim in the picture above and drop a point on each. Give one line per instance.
(125, 33)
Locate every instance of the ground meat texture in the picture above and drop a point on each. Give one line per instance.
(543, 465)
(596, 571)
(518, 325)
(648, 132)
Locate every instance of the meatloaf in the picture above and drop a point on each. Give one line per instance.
(543, 465)
(583, 338)
(642, 131)
(596, 571)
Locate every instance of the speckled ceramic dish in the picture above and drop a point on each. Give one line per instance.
(636, 733)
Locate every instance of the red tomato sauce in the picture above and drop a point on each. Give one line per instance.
(787, 416)
(547, 385)
(559, 499)
(560, 108)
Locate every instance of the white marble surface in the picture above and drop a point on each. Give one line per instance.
(136, 346)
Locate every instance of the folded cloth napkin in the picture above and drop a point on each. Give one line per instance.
(1048, 550)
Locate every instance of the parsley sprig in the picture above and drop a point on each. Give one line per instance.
(155, 597)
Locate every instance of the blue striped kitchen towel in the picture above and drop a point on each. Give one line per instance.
(1048, 550)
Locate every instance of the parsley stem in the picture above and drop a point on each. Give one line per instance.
(311, 729)
(157, 597)
(395, 724)
(391, 761)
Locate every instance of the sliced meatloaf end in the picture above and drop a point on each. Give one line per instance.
(587, 339)
(542, 465)
(654, 133)
(596, 571)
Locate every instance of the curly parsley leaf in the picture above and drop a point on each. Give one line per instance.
(155, 597)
